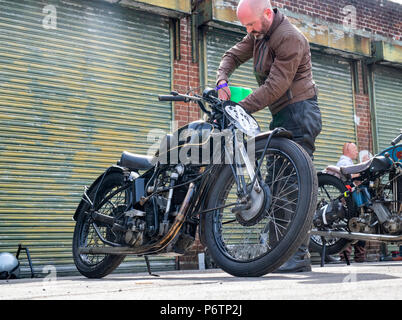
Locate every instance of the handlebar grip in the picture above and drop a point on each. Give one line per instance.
(397, 139)
(172, 98)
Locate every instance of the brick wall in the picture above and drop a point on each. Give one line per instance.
(185, 76)
(375, 18)
(379, 17)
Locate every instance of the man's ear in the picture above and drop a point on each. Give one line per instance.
(268, 13)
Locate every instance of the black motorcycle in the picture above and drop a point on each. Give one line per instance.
(359, 202)
(250, 195)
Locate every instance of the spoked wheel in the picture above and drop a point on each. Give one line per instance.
(111, 200)
(253, 241)
(329, 188)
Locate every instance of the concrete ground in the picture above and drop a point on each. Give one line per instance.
(379, 280)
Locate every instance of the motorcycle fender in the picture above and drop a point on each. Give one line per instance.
(281, 133)
(111, 169)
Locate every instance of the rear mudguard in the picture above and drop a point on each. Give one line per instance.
(262, 136)
(111, 169)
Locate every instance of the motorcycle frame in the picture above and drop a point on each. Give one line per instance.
(193, 207)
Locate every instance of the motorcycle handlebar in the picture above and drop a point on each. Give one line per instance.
(185, 98)
(397, 139)
(172, 98)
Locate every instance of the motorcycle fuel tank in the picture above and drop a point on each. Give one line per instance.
(189, 144)
(394, 152)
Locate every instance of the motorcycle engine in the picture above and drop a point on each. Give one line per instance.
(329, 213)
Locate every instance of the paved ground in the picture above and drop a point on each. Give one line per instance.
(381, 280)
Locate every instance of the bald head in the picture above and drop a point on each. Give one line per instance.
(253, 6)
(350, 150)
(256, 16)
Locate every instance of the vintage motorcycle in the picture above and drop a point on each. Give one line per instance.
(359, 202)
(251, 195)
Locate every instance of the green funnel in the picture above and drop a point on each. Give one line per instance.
(239, 93)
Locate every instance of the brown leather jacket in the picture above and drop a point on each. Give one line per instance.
(282, 66)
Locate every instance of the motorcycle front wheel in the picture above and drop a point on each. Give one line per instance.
(260, 245)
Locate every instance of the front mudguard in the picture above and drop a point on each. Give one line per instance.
(281, 132)
(111, 169)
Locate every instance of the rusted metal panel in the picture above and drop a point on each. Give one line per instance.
(223, 12)
(334, 38)
(165, 7)
(386, 54)
(73, 96)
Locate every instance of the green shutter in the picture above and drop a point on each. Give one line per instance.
(388, 105)
(333, 78)
(335, 99)
(72, 99)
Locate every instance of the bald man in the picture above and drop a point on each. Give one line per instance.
(350, 153)
(282, 68)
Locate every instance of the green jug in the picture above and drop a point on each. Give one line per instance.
(239, 93)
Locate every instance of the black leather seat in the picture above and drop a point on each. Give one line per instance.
(135, 161)
(345, 172)
(356, 168)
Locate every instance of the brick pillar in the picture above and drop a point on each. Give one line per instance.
(365, 142)
(363, 116)
(185, 76)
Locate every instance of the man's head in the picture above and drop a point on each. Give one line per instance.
(350, 150)
(256, 15)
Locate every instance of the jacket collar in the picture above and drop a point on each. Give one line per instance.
(275, 24)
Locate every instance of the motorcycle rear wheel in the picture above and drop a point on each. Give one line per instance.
(329, 188)
(255, 250)
(99, 265)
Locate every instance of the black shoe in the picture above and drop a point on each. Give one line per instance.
(293, 265)
(332, 259)
(299, 262)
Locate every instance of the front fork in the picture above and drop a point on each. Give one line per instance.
(242, 166)
(242, 159)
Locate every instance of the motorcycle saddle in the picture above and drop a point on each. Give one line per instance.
(348, 170)
(356, 168)
(135, 161)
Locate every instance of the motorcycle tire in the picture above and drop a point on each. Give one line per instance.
(96, 266)
(329, 182)
(242, 263)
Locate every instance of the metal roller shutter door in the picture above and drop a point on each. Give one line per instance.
(388, 106)
(335, 99)
(387, 110)
(72, 99)
(333, 77)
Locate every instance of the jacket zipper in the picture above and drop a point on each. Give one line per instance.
(260, 55)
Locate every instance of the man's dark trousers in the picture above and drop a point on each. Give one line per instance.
(303, 120)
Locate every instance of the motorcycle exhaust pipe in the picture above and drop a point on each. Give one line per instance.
(357, 236)
(154, 248)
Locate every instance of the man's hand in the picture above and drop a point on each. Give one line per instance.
(223, 93)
